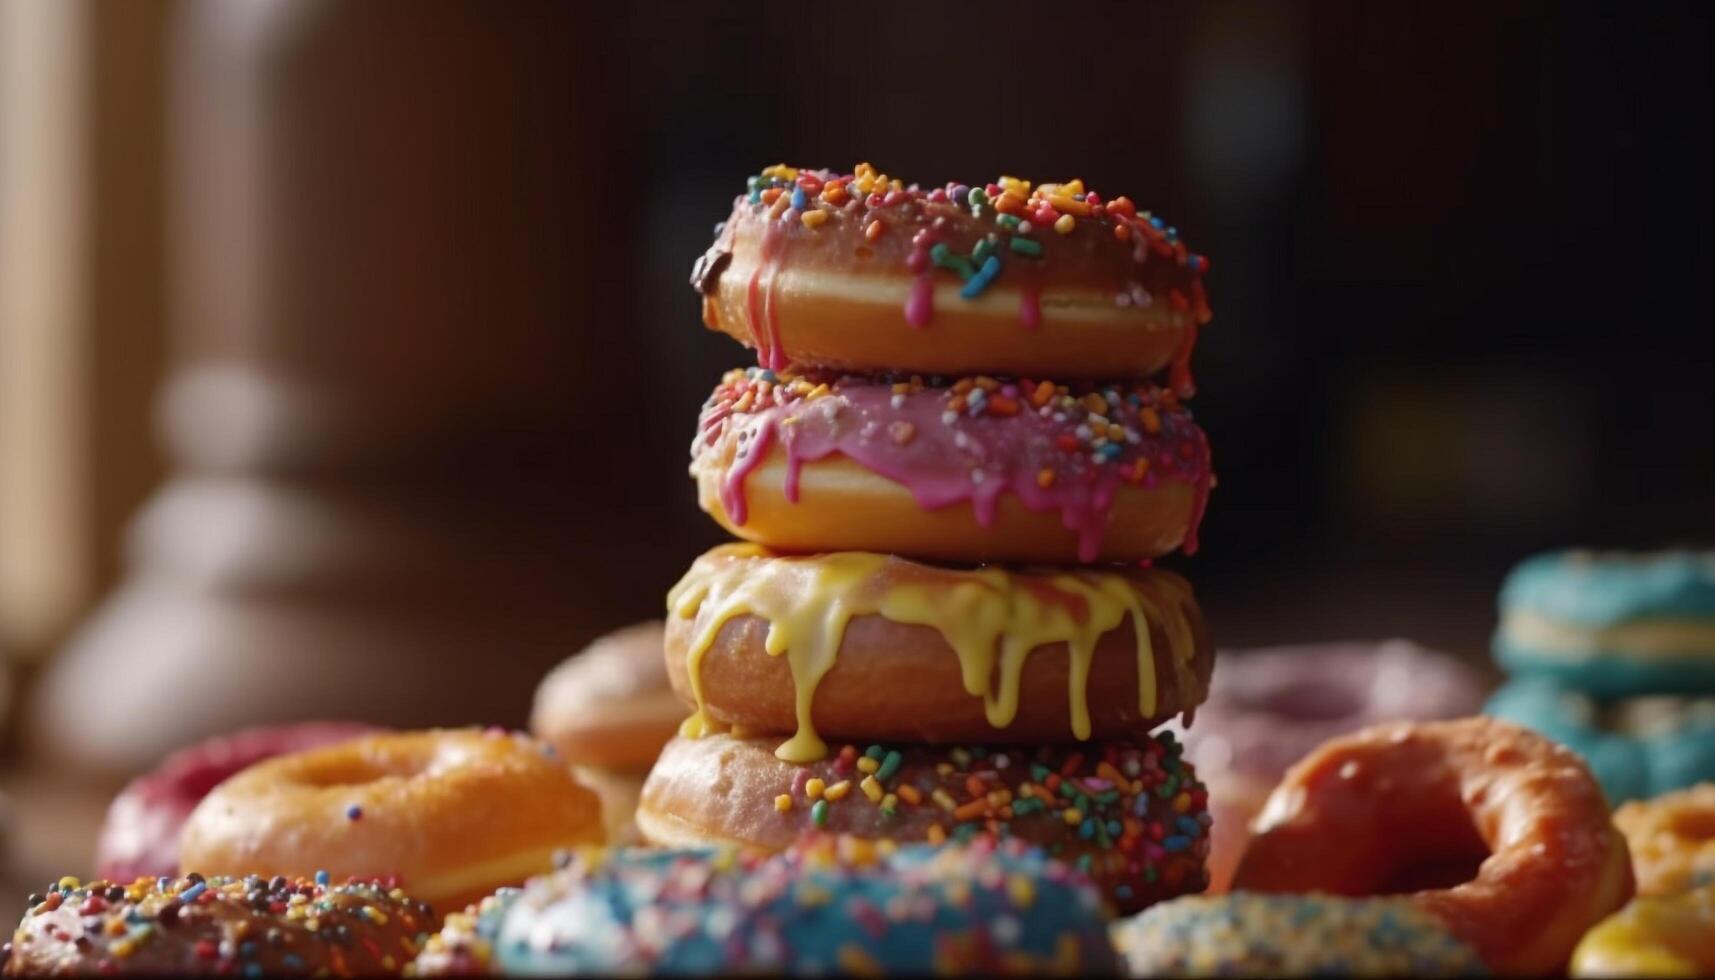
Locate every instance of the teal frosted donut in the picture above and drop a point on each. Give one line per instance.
(1250, 935)
(1612, 623)
(1636, 747)
(827, 907)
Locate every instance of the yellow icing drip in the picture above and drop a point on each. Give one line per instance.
(992, 619)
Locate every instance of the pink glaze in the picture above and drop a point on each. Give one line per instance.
(972, 459)
(920, 305)
(759, 298)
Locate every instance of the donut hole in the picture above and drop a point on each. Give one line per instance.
(1306, 701)
(1448, 854)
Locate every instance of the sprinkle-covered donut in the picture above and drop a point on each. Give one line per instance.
(1653, 936)
(1637, 747)
(1494, 829)
(218, 926)
(858, 645)
(1248, 935)
(1612, 623)
(972, 469)
(608, 710)
(140, 837)
(864, 272)
(1672, 839)
(1130, 815)
(825, 908)
(1269, 708)
(450, 814)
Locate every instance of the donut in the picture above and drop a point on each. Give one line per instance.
(140, 836)
(1499, 832)
(1672, 840)
(1131, 815)
(1612, 623)
(1653, 936)
(450, 814)
(824, 908)
(967, 470)
(608, 711)
(1637, 747)
(1250, 935)
(867, 646)
(1269, 708)
(863, 272)
(217, 926)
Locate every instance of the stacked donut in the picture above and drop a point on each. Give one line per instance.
(1613, 654)
(964, 443)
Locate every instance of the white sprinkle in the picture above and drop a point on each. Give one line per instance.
(976, 476)
(949, 417)
(898, 401)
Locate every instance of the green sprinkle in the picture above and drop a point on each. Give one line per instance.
(984, 248)
(979, 196)
(1007, 221)
(1039, 772)
(819, 813)
(889, 766)
(1025, 246)
(944, 257)
(875, 752)
(960, 758)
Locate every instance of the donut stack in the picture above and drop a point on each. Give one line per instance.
(963, 445)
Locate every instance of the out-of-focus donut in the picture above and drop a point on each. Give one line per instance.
(140, 837)
(976, 469)
(826, 907)
(861, 271)
(197, 926)
(871, 647)
(1131, 815)
(1612, 623)
(608, 710)
(1672, 839)
(1653, 936)
(1247, 935)
(450, 814)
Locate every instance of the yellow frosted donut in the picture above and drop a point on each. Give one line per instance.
(1654, 936)
(1672, 839)
(452, 814)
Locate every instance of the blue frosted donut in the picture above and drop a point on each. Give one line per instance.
(1636, 747)
(1250, 935)
(1612, 623)
(826, 907)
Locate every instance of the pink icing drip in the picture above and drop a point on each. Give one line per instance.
(759, 298)
(733, 497)
(920, 305)
(1030, 305)
(936, 465)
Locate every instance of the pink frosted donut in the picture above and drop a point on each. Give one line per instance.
(140, 837)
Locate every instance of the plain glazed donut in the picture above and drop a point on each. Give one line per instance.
(196, 926)
(1130, 815)
(976, 469)
(608, 710)
(1672, 840)
(450, 814)
(1247, 935)
(826, 908)
(863, 272)
(873, 647)
(1414, 807)
(140, 837)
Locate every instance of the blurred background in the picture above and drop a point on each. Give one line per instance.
(348, 365)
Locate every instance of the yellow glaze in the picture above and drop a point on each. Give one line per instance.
(991, 617)
(1661, 936)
